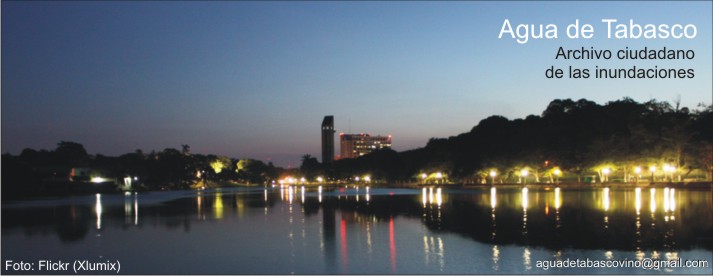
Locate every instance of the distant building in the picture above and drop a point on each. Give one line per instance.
(79, 174)
(328, 139)
(355, 145)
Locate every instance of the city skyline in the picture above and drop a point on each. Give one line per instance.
(252, 80)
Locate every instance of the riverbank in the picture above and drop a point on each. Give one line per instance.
(59, 190)
(693, 185)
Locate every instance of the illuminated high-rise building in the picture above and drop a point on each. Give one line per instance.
(328, 139)
(355, 145)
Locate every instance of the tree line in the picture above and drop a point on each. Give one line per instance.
(579, 138)
(65, 169)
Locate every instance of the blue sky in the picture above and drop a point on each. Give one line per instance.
(254, 79)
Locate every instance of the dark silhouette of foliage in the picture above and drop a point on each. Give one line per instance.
(577, 137)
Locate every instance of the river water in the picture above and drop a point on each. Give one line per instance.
(360, 230)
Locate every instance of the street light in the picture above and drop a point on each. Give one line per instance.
(439, 176)
(557, 175)
(524, 174)
(668, 169)
(606, 172)
(652, 169)
(423, 178)
(493, 173)
(637, 170)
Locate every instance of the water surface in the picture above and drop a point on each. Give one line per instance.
(364, 230)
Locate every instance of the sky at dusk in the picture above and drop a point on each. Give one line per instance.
(255, 79)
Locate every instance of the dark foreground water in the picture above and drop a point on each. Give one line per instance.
(362, 231)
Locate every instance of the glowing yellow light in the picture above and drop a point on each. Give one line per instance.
(439, 175)
(524, 198)
(493, 197)
(98, 179)
(439, 197)
(558, 200)
(637, 170)
(430, 195)
(653, 200)
(652, 169)
(672, 203)
(218, 206)
(557, 172)
(289, 194)
(367, 178)
(356, 178)
(493, 173)
(524, 172)
(424, 197)
(605, 199)
(638, 200)
(320, 179)
(303, 180)
(606, 171)
(423, 176)
(217, 166)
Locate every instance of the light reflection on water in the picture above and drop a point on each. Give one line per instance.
(374, 230)
(98, 211)
(606, 203)
(131, 208)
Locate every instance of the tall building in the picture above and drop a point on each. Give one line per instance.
(355, 145)
(328, 139)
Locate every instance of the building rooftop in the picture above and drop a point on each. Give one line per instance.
(328, 121)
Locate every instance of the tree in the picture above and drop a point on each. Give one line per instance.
(219, 163)
(254, 171)
(310, 167)
(71, 154)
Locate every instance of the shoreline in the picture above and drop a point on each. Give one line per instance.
(454, 186)
(687, 185)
